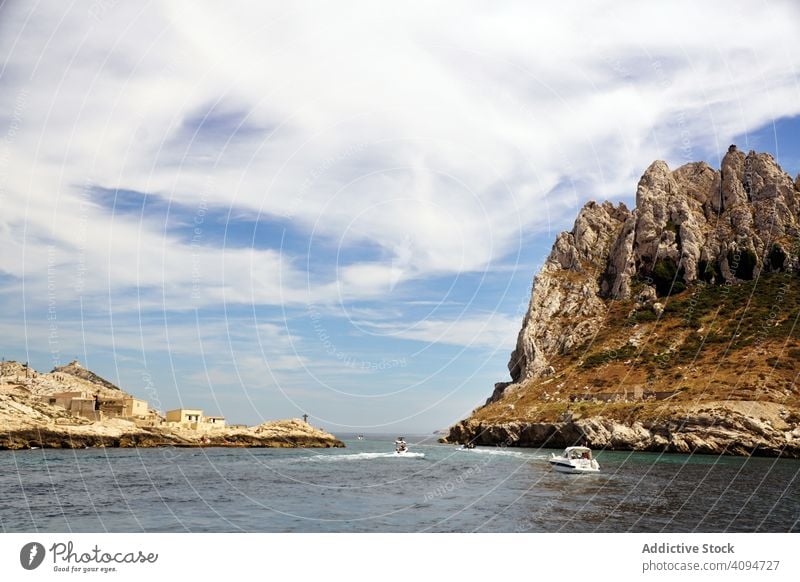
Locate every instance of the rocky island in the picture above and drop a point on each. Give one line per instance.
(672, 327)
(71, 407)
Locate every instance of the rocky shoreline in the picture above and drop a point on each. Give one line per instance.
(701, 433)
(278, 434)
(30, 417)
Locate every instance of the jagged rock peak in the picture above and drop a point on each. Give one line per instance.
(693, 224)
(589, 238)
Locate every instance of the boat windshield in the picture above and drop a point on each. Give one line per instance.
(580, 454)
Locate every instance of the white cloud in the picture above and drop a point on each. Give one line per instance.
(489, 331)
(453, 137)
(404, 141)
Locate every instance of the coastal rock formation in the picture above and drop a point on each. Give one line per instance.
(691, 224)
(289, 433)
(28, 420)
(762, 429)
(608, 295)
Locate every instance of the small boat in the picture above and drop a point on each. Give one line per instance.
(401, 449)
(360, 437)
(400, 446)
(468, 446)
(575, 460)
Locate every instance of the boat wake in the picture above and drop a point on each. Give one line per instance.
(363, 457)
(501, 452)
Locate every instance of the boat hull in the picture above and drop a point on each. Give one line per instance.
(571, 466)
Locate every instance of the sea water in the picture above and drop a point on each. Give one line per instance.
(366, 488)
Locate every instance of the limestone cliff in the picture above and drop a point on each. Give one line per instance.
(566, 307)
(626, 290)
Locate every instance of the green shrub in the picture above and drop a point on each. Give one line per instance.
(709, 272)
(667, 277)
(691, 322)
(777, 257)
(745, 267)
(690, 347)
(646, 315)
(718, 278)
(600, 358)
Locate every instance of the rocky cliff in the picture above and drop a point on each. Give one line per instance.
(652, 328)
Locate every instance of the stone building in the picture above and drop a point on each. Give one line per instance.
(77, 403)
(134, 407)
(92, 406)
(194, 419)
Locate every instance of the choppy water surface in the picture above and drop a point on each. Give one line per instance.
(366, 488)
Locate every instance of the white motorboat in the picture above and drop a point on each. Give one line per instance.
(575, 460)
(401, 449)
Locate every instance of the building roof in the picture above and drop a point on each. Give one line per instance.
(192, 410)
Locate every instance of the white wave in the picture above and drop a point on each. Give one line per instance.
(363, 457)
(503, 452)
(408, 455)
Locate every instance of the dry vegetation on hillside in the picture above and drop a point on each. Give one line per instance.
(712, 343)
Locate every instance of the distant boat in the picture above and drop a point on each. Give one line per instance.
(360, 437)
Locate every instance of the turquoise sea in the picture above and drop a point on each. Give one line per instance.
(364, 488)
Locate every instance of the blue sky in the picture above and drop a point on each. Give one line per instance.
(780, 138)
(290, 209)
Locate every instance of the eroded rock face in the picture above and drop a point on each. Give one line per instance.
(693, 223)
(716, 432)
(567, 290)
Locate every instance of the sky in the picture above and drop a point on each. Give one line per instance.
(271, 209)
